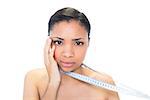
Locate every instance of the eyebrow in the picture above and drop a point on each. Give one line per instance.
(72, 39)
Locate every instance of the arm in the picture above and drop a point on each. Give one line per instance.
(52, 70)
(113, 95)
(30, 89)
(50, 92)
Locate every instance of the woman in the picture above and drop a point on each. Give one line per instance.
(65, 49)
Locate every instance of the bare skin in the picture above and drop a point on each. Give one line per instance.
(62, 49)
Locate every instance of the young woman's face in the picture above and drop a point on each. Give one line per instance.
(71, 41)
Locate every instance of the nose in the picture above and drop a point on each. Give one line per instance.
(68, 51)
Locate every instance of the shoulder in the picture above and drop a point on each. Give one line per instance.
(103, 77)
(98, 75)
(35, 75)
(32, 78)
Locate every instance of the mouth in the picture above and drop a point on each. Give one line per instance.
(67, 64)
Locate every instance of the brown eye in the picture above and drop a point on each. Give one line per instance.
(79, 43)
(57, 42)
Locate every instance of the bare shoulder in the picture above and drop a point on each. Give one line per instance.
(103, 77)
(35, 75)
(98, 75)
(32, 78)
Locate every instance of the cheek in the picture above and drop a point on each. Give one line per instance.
(57, 53)
(80, 53)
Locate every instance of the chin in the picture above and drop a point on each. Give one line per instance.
(65, 70)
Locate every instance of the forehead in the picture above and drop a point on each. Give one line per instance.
(70, 28)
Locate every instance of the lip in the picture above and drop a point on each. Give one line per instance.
(67, 64)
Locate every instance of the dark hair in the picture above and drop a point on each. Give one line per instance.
(67, 14)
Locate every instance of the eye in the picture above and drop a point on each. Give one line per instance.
(57, 42)
(79, 43)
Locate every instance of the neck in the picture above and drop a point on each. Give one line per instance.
(66, 78)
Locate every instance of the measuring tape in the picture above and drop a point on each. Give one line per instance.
(120, 89)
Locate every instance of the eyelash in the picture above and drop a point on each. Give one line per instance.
(77, 43)
(57, 42)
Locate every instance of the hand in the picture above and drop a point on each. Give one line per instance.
(50, 63)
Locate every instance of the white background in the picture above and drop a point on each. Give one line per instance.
(120, 40)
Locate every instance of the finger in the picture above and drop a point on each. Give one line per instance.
(53, 50)
(48, 45)
(51, 54)
(46, 50)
